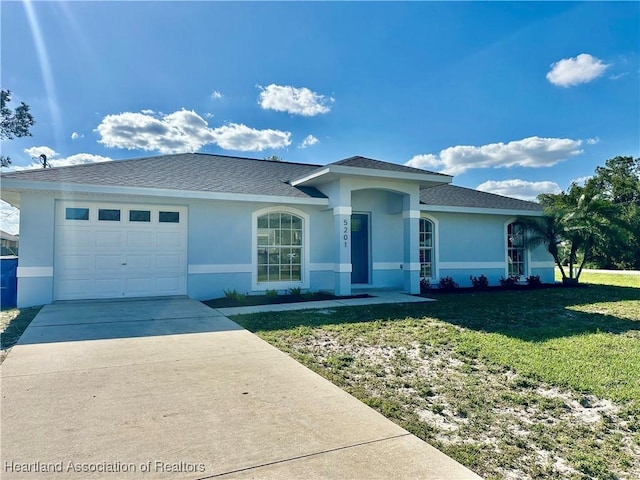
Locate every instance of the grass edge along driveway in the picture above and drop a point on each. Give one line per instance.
(527, 384)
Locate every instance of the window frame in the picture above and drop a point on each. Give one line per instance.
(509, 250)
(304, 251)
(435, 247)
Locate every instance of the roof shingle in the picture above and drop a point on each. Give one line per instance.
(186, 171)
(455, 196)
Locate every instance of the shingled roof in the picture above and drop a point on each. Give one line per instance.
(454, 196)
(364, 162)
(185, 171)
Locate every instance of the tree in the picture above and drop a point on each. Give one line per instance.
(274, 158)
(13, 123)
(619, 182)
(580, 222)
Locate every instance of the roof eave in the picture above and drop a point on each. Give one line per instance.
(481, 210)
(12, 188)
(330, 172)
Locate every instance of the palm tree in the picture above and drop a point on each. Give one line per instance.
(582, 221)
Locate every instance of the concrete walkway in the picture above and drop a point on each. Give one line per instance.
(169, 388)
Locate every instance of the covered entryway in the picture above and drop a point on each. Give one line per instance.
(115, 250)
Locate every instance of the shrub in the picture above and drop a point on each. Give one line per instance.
(308, 295)
(295, 292)
(479, 283)
(534, 281)
(235, 296)
(447, 284)
(509, 282)
(272, 293)
(425, 285)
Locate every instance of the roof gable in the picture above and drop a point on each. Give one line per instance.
(370, 163)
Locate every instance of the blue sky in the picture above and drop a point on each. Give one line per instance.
(514, 98)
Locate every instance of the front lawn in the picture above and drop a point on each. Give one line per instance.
(522, 384)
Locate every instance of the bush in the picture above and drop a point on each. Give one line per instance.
(295, 292)
(272, 293)
(479, 283)
(534, 281)
(235, 296)
(510, 282)
(425, 285)
(447, 284)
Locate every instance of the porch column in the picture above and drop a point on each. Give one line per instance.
(411, 265)
(342, 239)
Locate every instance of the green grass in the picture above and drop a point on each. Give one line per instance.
(534, 384)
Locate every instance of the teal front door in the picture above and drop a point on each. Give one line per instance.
(360, 248)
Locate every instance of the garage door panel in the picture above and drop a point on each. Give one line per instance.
(140, 261)
(168, 261)
(108, 240)
(140, 239)
(76, 238)
(115, 259)
(77, 263)
(169, 284)
(107, 287)
(108, 262)
(139, 286)
(169, 240)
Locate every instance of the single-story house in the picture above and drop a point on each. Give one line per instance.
(8, 243)
(198, 224)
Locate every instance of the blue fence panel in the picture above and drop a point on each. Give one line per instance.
(9, 282)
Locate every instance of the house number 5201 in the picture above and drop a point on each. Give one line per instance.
(345, 235)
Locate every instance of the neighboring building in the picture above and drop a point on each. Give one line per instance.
(196, 225)
(8, 244)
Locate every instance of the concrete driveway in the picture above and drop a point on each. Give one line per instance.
(169, 388)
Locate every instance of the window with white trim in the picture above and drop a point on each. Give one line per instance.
(515, 250)
(279, 244)
(426, 248)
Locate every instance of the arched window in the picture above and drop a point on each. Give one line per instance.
(516, 250)
(279, 243)
(427, 249)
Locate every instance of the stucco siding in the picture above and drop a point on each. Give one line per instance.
(35, 263)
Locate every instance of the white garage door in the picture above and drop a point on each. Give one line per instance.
(119, 250)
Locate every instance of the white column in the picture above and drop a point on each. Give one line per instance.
(411, 265)
(342, 240)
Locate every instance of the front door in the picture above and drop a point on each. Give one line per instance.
(360, 248)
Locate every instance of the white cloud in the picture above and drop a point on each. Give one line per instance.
(576, 70)
(78, 159)
(183, 131)
(76, 135)
(240, 137)
(147, 111)
(216, 95)
(297, 101)
(517, 188)
(53, 161)
(593, 141)
(308, 141)
(528, 152)
(209, 115)
(35, 152)
(618, 76)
